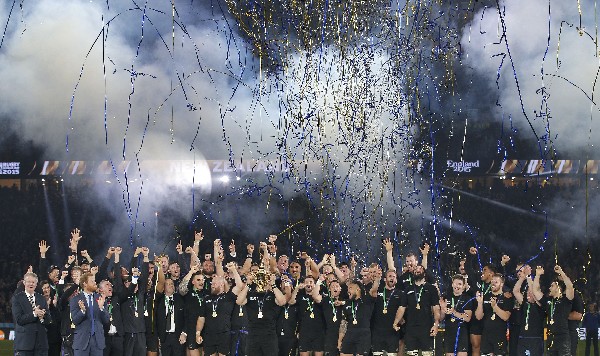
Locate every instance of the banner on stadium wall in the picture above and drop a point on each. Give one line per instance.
(514, 167)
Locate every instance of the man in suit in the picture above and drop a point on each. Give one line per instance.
(170, 321)
(29, 311)
(89, 316)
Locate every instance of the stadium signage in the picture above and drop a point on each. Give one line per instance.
(462, 166)
(10, 168)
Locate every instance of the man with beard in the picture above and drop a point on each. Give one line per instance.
(457, 307)
(355, 328)
(532, 313)
(494, 310)
(311, 337)
(287, 322)
(194, 303)
(412, 261)
(170, 321)
(263, 309)
(421, 310)
(29, 311)
(215, 320)
(558, 308)
(385, 339)
(89, 316)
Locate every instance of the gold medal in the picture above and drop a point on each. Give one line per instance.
(260, 315)
(493, 317)
(354, 321)
(312, 315)
(526, 326)
(241, 313)
(72, 326)
(418, 306)
(286, 315)
(135, 314)
(145, 313)
(214, 314)
(453, 320)
(384, 310)
(334, 318)
(551, 321)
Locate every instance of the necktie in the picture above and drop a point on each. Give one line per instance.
(31, 300)
(91, 305)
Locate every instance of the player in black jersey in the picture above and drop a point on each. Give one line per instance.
(532, 314)
(355, 328)
(558, 308)
(494, 310)
(388, 299)
(457, 306)
(421, 310)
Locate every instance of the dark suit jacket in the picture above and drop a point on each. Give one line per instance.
(30, 333)
(83, 322)
(161, 315)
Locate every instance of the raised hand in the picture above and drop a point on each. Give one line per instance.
(179, 247)
(387, 244)
(118, 250)
(43, 248)
(272, 239)
(539, 270)
(479, 297)
(505, 259)
(145, 251)
(198, 236)
(94, 270)
(473, 250)
(425, 249)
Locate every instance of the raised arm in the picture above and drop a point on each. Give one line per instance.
(425, 254)
(376, 282)
(517, 289)
(537, 290)
(389, 254)
(570, 291)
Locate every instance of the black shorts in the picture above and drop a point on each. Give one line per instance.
(265, 345)
(475, 326)
(190, 342)
(385, 340)
(494, 343)
(417, 338)
(311, 341)
(217, 343)
(331, 340)
(356, 341)
(531, 346)
(559, 344)
(151, 342)
(456, 340)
